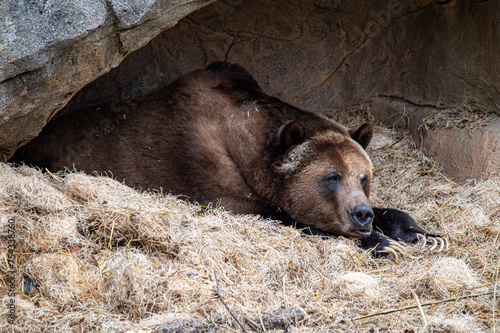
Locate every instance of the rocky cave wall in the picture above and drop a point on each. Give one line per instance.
(398, 57)
(49, 50)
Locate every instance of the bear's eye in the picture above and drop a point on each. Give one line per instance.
(334, 179)
(364, 181)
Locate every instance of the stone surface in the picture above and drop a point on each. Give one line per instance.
(463, 155)
(50, 50)
(322, 54)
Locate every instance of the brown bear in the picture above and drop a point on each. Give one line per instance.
(214, 136)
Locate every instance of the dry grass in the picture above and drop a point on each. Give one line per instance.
(104, 257)
(458, 118)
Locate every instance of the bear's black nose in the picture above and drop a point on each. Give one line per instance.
(362, 214)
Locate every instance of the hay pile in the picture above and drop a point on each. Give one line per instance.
(94, 255)
(458, 118)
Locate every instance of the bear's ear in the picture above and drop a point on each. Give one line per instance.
(363, 134)
(290, 134)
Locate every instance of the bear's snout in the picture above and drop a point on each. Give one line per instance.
(362, 215)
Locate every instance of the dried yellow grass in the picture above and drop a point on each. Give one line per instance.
(104, 257)
(458, 118)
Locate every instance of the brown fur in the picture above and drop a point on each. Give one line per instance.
(214, 135)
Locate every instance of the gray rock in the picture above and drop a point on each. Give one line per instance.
(30, 30)
(51, 49)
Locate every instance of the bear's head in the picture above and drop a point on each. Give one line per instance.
(325, 177)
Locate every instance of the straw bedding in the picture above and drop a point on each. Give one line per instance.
(95, 255)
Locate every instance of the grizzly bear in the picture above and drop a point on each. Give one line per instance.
(214, 136)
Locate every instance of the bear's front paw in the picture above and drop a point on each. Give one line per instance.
(437, 243)
(399, 225)
(382, 245)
